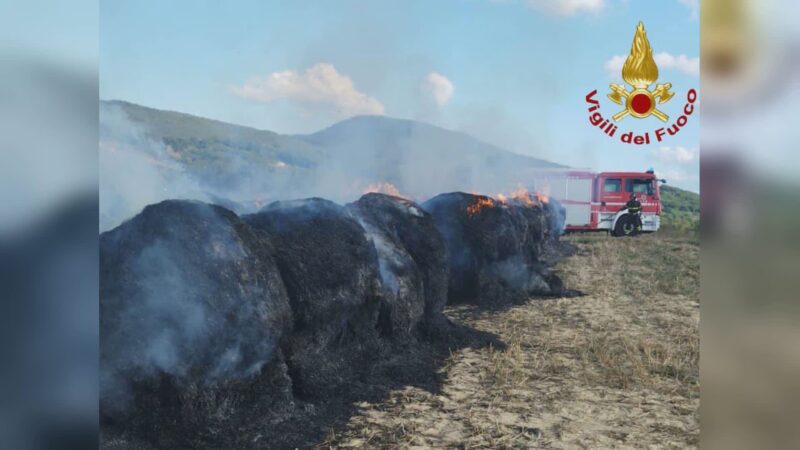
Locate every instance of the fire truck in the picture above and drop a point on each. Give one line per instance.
(596, 201)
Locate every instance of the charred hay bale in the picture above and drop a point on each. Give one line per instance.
(412, 261)
(192, 310)
(494, 249)
(541, 224)
(330, 270)
(553, 217)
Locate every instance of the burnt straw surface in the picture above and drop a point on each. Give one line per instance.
(331, 274)
(411, 259)
(263, 331)
(497, 252)
(192, 311)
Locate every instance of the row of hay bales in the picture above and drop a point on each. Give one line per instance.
(209, 319)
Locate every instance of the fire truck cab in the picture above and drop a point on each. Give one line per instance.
(596, 201)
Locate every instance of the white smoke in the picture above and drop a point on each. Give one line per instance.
(243, 170)
(136, 171)
(176, 318)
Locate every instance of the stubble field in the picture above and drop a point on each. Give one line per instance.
(616, 367)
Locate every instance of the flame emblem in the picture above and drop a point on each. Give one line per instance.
(640, 71)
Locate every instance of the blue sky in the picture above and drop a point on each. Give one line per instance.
(513, 73)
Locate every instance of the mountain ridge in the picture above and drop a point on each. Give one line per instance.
(149, 154)
(137, 113)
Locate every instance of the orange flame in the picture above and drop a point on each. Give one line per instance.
(520, 196)
(383, 187)
(544, 195)
(480, 203)
(523, 196)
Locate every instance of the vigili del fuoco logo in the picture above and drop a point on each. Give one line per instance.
(640, 72)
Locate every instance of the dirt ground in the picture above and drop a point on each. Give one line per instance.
(615, 368)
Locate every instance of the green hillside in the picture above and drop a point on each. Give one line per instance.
(241, 163)
(338, 162)
(210, 145)
(681, 210)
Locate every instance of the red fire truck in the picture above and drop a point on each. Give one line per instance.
(596, 201)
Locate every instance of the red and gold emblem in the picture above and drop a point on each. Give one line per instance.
(640, 71)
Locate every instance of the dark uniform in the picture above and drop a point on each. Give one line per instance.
(634, 209)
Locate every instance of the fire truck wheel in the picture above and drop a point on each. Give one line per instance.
(626, 226)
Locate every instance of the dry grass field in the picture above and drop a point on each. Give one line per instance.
(617, 367)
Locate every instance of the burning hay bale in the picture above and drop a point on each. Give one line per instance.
(412, 261)
(497, 251)
(192, 311)
(331, 274)
(211, 323)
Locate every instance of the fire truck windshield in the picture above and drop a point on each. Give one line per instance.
(639, 186)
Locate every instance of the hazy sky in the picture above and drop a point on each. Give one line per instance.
(513, 73)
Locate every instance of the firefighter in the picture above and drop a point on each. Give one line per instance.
(634, 208)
